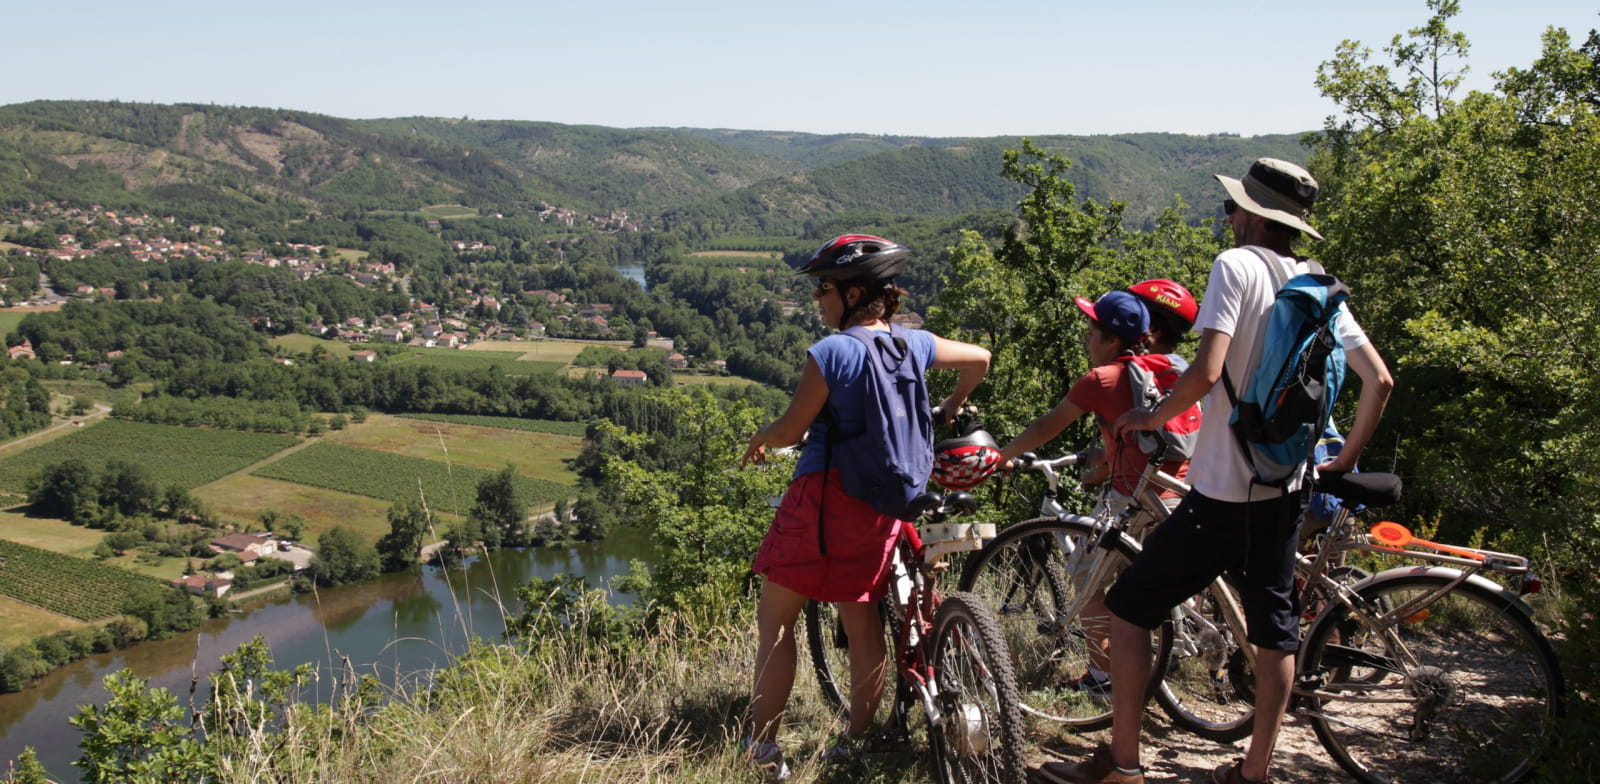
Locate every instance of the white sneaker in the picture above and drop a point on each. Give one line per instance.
(767, 758)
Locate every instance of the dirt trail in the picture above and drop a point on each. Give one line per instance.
(1174, 755)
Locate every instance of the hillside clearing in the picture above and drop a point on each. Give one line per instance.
(242, 497)
(534, 455)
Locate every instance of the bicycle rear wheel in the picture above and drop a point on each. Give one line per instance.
(981, 737)
(1477, 706)
(830, 650)
(1208, 687)
(1025, 577)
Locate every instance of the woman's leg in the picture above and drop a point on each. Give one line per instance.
(775, 658)
(863, 626)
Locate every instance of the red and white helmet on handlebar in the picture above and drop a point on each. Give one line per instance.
(965, 462)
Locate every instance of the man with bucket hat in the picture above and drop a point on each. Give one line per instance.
(1227, 523)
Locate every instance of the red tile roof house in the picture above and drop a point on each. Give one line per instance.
(205, 585)
(629, 378)
(244, 543)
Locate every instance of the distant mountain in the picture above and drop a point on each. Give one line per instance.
(955, 176)
(238, 165)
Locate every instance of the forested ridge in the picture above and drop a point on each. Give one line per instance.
(257, 167)
(1465, 223)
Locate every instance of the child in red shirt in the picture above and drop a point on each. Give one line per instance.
(1118, 322)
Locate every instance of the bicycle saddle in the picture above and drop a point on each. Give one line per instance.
(923, 504)
(1372, 489)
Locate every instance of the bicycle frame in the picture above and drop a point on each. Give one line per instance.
(912, 600)
(1344, 535)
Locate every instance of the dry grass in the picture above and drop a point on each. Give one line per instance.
(668, 707)
(21, 623)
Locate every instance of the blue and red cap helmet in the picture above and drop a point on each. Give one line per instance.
(857, 257)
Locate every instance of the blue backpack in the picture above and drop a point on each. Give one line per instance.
(887, 464)
(1280, 414)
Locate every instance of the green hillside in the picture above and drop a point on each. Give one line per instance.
(241, 166)
(955, 176)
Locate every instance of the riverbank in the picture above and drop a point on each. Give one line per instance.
(397, 629)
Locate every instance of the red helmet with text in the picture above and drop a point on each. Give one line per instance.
(1165, 296)
(857, 256)
(964, 463)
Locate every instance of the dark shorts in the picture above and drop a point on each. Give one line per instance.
(860, 544)
(1253, 543)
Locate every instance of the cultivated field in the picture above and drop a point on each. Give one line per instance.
(449, 211)
(393, 477)
(241, 498)
(533, 454)
(302, 344)
(185, 456)
(696, 379)
(558, 351)
(93, 391)
(74, 587)
(507, 423)
(750, 254)
(509, 362)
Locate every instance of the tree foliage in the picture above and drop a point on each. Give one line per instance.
(1469, 230)
(708, 514)
(343, 557)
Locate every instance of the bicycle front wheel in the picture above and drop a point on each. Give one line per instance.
(1030, 577)
(980, 738)
(1208, 687)
(1477, 704)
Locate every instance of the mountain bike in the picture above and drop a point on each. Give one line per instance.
(1403, 675)
(1040, 575)
(950, 661)
(1425, 668)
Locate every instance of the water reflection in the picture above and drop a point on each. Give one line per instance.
(397, 627)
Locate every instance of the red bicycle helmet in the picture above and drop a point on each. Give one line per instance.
(965, 462)
(857, 256)
(1169, 297)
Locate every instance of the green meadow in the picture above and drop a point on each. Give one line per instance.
(533, 454)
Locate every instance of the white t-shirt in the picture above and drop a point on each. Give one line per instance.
(1239, 295)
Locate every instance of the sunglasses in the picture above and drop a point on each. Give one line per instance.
(823, 287)
(1229, 206)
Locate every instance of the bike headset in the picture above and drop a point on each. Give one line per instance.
(857, 259)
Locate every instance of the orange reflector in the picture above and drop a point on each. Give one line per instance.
(1418, 616)
(1397, 535)
(1392, 534)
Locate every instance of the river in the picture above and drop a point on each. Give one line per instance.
(634, 271)
(398, 625)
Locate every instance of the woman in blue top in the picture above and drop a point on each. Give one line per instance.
(855, 287)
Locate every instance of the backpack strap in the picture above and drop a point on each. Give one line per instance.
(1279, 277)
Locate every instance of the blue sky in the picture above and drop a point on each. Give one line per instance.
(934, 68)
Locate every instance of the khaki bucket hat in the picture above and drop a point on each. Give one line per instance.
(1276, 190)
